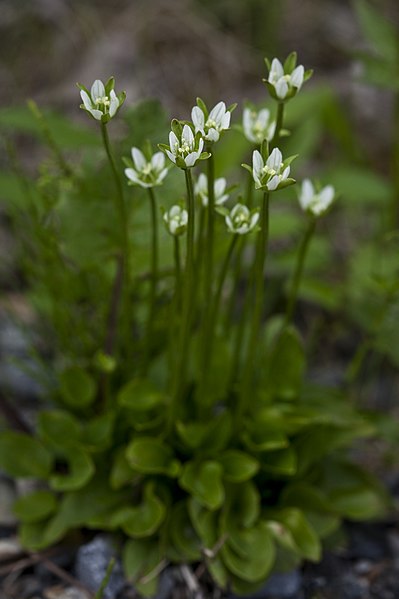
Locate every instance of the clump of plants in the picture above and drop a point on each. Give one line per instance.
(176, 410)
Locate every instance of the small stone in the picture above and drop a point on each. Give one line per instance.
(10, 548)
(59, 592)
(363, 567)
(91, 565)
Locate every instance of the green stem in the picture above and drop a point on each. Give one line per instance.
(261, 253)
(222, 277)
(176, 251)
(154, 280)
(121, 284)
(279, 125)
(180, 375)
(299, 270)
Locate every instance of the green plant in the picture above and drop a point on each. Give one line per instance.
(182, 418)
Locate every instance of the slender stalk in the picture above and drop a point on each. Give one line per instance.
(279, 125)
(210, 229)
(177, 257)
(180, 374)
(99, 594)
(299, 270)
(260, 259)
(154, 280)
(121, 284)
(221, 280)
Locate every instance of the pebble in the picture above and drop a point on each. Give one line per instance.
(59, 592)
(91, 564)
(10, 548)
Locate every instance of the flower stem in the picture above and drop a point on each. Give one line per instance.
(260, 259)
(299, 270)
(279, 125)
(154, 280)
(180, 375)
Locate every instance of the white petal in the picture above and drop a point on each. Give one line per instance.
(132, 175)
(254, 220)
(247, 124)
(188, 136)
(161, 176)
(212, 135)
(158, 161)
(198, 118)
(171, 156)
(307, 194)
(276, 70)
(200, 145)
(257, 163)
(222, 199)
(201, 185)
(285, 174)
(138, 158)
(173, 141)
(226, 120)
(297, 77)
(275, 159)
(273, 183)
(86, 100)
(191, 159)
(220, 186)
(263, 117)
(97, 90)
(96, 113)
(326, 196)
(281, 88)
(174, 211)
(229, 224)
(217, 113)
(114, 103)
(173, 226)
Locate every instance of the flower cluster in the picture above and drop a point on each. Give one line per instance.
(210, 125)
(101, 102)
(258, 126)
(315, 202)
(176, 220)
(146, 173)
(240, 220)
(185, 148)
(272, 174)
(201, 190)
(285, 81)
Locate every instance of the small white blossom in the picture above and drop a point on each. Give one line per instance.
(201, 190)
(146, 173)
(315, 202)
(184, 152)
(101, 102)
(241, 220)
(176, 219)
(273, 174)
(257, 125)
(284, 82)
(217, 121)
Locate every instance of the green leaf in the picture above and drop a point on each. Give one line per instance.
(121, 471)
(282, 462)
(204, 481)
(242, 506)
(143, 520)
(151, 456)
(80, 469)
(140, 556)
(140, 395)
(256, 553)
(59, 428)
(204, 521)
(23, 456)
(78, 389)
(361, 187)
(290, 63)
(238, 466)
(97, 432)
(182, 533)
(304, 539)
(35, 506)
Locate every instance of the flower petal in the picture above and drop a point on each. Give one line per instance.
(97, 90)
(297, 76)
(138, 158)
(307, 194)
(273, 183)
(220, 186)
(257, 163)
(281, 87)
(158, 161)
(173, 141)
(217, 113)
(198, 118)
(326, 196)
(192, 158)
(212, 135)
(86, 100)
(225, 124)
(171, 156)
(114, 103)
(132, 175)
(276, 70)
(188, 136)
(275, 159)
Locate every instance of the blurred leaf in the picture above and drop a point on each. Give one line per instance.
(143, 520)
(23, 456)
(35, 506)
(379, 32)
(151, 456)
(204, 482)
(80, 469)
(139, 394)
(238, 466)
(77, 388)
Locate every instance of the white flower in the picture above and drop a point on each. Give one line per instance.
(315, 202)
(241, 220)
(285, 82)
(184, 152)
(273, 174)
(201, 190)
(147, 173)
(211, 126)
(101, 102)
(176, 219)
(257, 125)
